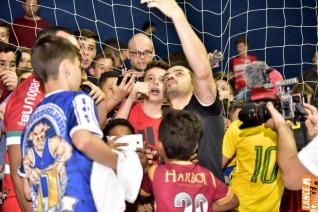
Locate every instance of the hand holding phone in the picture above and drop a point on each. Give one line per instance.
(133, 142)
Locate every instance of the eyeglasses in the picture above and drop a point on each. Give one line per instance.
(146, 53)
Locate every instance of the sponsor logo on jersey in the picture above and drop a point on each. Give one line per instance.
(29, 102)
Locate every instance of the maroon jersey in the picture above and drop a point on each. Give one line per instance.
(237, 66)
(4, 92)
(25, 31)
(185, 188)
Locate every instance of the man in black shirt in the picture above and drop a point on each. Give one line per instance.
(193, 88)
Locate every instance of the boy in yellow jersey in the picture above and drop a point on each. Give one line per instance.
(256, 180)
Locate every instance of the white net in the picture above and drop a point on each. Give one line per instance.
(282, 33)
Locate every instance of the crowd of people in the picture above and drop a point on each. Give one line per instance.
(210, 141)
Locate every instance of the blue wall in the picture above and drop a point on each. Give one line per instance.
(284, 34)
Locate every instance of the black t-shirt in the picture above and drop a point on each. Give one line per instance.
(210, 145)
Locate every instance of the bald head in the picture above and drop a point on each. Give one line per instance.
(141, 51)
(71, 38)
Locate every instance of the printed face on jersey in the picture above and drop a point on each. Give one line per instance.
(37, 136)
(154, 78)
(87, 51)
(177, 81)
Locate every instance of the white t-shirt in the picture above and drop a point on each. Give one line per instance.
(308, 156)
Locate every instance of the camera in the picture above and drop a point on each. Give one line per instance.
(290, 106)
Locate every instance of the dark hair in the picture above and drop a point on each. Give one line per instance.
(48, 53)
(5, 25)
(104, 76)
(118, 122)
(86, 33)
(180, 132)
(7, 47)
(115, 44)
(178, 59)
(148, 24)
(102, 55)
(242, 39)
(114, 47)
(156, 64)
(52, 30)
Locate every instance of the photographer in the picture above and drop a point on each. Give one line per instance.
(293, 165)
(253, 146)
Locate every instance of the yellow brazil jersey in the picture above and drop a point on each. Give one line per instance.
(256, 179)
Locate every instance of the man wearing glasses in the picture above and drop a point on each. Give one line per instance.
(141, 52)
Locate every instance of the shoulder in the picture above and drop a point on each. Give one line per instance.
(18, 20)
(197, 106)
(22, 102)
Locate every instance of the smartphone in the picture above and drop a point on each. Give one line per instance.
(127, 64)
(134, 141)
(85, 88)
(120, 79)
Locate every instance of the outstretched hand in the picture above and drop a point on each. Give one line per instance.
(170, 8)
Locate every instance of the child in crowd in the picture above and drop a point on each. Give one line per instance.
(183, 180)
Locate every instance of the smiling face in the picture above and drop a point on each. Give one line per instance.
(177, 81)
(154, 78)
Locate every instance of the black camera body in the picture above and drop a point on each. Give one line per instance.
(291, 107)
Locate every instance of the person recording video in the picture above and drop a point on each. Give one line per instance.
(304, 163)
(254, 147)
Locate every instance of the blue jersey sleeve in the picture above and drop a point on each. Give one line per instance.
(85, 115)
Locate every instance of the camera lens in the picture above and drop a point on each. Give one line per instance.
(253, 115)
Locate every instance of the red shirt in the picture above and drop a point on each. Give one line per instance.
(21, 104)
(178, 186)
(237, 66)
(144, 124)
(25, 31)
(18, 110)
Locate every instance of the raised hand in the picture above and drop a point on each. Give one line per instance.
(170, 8)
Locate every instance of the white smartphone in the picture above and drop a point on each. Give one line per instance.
(134, 141)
